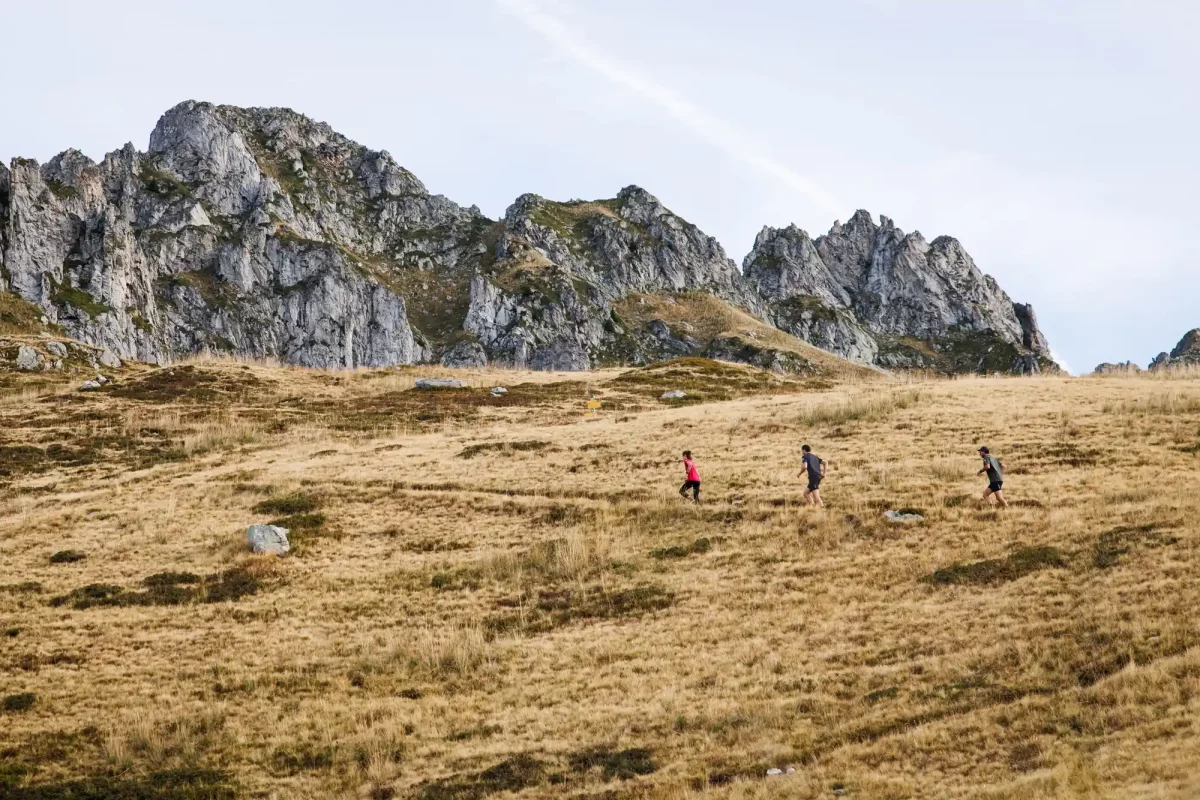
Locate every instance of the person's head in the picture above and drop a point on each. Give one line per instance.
(983, 451)
(687, 453)
(806, 448)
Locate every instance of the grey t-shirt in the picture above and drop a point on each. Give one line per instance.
(995, 474)
(813, 464)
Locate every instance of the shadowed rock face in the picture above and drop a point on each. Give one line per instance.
(262, 233)
(874, 294)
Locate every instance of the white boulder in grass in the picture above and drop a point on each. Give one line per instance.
(268, 539)
(27, 358)
(674, 394)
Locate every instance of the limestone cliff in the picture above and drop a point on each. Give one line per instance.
(262, 233)
(872, 293)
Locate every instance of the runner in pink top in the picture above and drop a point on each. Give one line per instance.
(693, 478)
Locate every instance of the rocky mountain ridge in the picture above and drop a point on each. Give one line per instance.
(1186, 353)
(263, 233)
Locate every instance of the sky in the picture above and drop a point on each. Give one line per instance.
(1054, 138)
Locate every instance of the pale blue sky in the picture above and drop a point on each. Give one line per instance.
(1056, 139)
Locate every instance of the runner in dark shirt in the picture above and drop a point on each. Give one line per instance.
(816, 471)
(994, 468)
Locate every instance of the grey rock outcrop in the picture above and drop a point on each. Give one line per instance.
(57, 348)
(464, 354)
(252, 231)
(27, 358)
(108, 358)
(1185, 353)
(270, 539)
(550, 299)
(873, 294)
(262, 233)
(440, 383)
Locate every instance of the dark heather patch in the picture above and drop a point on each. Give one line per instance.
(187, 783)
(614, 764)
(164, 589)
(1119, 541)
(1020, 563)
(531, 445)
(555, 608)
(18, 702)
(171, 578)
(511, 775)
(67, 557)
(298, 503)
(698, 547)
(882, 694)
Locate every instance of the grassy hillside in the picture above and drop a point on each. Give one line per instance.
(497, 597)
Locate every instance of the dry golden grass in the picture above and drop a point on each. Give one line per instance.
(514, 600)
(710, 317)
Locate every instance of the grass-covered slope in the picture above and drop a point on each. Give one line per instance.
(502, 597)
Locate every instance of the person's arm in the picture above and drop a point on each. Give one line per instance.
(822, 468)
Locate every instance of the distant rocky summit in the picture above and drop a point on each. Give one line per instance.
(1121, 368)
(262, 233)
(1186, 353)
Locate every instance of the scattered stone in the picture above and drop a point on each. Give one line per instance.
(109, 359)
(57, 348)
(440, 383)
(899, 516)
(268, 539)
(499, 390)
(89, 386)
(100, 379)
(27, 358)
(674, 394)
(774, 771)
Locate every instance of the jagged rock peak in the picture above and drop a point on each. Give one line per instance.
(864, 289)
(1185, 353)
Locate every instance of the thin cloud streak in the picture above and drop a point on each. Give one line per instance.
(716, 132)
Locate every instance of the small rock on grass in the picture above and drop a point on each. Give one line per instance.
(897, 516)
(268, 539)
(89, 386)
(674, 394)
